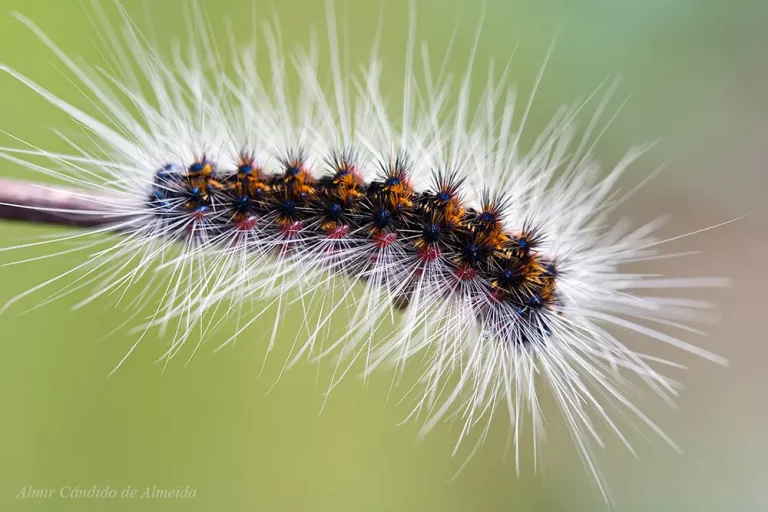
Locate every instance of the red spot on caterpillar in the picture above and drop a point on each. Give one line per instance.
(496, 296)
(429, 253)
(382, 240)
(465, 272)
(338, 232)
(292, 228)
(246, 224)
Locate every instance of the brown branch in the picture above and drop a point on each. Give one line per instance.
(32, 202)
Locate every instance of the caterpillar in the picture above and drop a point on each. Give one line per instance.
(497, 267)
(340, 213)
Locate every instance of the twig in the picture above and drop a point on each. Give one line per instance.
(32, 202)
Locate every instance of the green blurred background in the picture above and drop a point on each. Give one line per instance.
(698, 75)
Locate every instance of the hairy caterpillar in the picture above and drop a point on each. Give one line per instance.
(500, 261)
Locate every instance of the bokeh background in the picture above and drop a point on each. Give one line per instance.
(697, 73)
